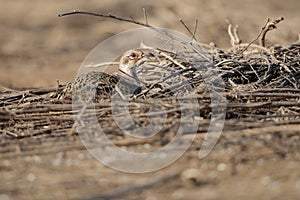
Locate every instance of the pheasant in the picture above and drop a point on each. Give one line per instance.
(141, 69)
(102, 84)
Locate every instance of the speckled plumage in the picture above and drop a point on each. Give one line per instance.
(101, 84)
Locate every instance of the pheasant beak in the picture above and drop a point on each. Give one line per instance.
(144, 58)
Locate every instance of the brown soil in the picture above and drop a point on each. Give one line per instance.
(38, 48)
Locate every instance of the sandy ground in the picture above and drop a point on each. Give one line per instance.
(38, 48)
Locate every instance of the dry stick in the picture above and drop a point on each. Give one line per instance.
(257, 47)
(39, 132)
(267, 27)
(271, 25)
(122, 19)
(187, 28)
(288, 80)
(264, 49)
(102, 64)
(256, 74)
(170, 58)
(258, 36)
(262, 104)
(236, 35)
(233, 34)
(180, 109)
(265, 94)
(11, 98)
(195, 29)
(268, 71)
(44, 90)
(176, 87)
(9, 133)
(232, 39)
(138, 23)
(162, 52)
(145, 15)
(237, 69)
(297, 91)
(176, 73)
(109, 15)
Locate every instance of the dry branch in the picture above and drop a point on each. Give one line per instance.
(261, 88)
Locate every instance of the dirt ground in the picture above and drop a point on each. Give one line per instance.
(38, 48)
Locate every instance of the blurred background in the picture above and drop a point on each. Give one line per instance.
(38, 48)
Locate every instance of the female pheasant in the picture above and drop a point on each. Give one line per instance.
(100, 84)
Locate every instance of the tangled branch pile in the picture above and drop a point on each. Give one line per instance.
(260, 85)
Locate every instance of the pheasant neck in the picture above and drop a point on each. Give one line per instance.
(129, 78)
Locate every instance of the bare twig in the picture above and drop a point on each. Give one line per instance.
(195, 29)
(186, 27)
(145, 16)
(271, 24)
(233, 34)
(263, 32)
(9, 133)
(109, 15)
(257, 37)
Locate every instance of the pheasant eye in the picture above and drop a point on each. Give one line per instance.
(133, 55)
